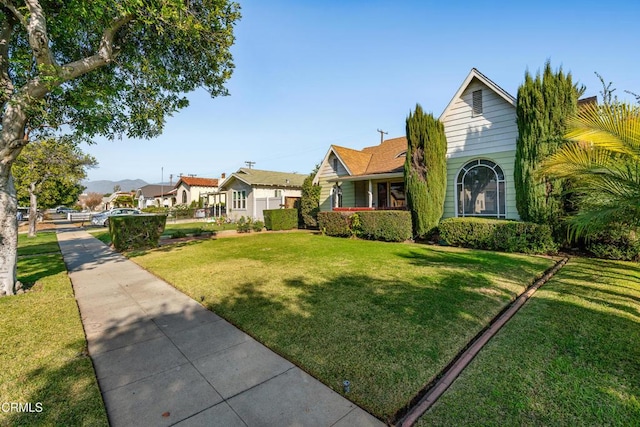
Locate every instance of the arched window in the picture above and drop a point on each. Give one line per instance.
(480, 189)
(184, 196)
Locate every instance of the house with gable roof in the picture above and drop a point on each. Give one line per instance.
(191, 188)
(250, 191)
(481, 131)
(155, 195)
(368, 178)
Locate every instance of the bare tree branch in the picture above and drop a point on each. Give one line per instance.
(104, 56)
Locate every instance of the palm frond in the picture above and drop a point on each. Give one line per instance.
(601, 159)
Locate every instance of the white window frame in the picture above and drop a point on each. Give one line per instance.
(472, 164)
(239, 200)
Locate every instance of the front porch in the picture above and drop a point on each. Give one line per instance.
(356, 209)
(370, 193)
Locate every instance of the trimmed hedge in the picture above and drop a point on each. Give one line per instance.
(280, 219)
(497, 235)
(337, 224)
(615, 243)
(390, 226)
(131, 232)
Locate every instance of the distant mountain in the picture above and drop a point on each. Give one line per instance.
(106, 186)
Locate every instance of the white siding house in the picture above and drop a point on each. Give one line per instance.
(480, 124)
(250, 191)
(481, 131)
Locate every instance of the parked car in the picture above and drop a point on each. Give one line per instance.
(103, 217)
(64, 210)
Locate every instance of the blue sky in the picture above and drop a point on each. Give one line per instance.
(310, 74)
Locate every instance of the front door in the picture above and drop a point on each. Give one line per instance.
(382, 195)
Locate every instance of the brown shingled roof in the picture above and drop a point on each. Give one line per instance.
(386, 157)
(356, 161)
(383, 158)
(198, 182)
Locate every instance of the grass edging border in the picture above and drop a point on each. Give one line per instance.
(432, 391)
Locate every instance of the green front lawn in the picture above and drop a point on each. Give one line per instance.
(387, 317)
(187, 227)
(45, 242)
(569, 357)
(43, 348)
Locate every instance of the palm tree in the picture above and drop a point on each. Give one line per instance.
(602, 160)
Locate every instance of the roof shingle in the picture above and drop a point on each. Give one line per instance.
(198, 182)
(384, 158)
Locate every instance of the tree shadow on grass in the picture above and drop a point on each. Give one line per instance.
(167, 248)
(41, 248)
(68, 395)
(562, 360)
(476, 261)
(388, 337)
(32, 269)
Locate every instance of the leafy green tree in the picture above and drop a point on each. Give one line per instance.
(543, 105)
(425, 171)
(48, 173)
(101, 67)
(602, 160)
(310, 200)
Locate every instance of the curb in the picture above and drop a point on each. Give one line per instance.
(434, 390)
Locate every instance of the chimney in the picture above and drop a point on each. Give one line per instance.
(223, 176)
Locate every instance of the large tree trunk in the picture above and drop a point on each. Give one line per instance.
(12, 139)
(8, 232)
(33, 210)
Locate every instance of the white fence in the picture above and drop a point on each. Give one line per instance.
(79, 216)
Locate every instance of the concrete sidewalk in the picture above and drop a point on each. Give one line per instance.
(162, 359)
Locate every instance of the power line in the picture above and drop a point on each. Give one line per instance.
(382, 133)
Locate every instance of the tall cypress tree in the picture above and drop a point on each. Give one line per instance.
(543, 106)
(425, 171)
(310, 201)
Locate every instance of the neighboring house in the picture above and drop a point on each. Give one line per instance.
(480, 126)
(119, 199)
(190, 189)
(166, 198)
(151, 195)
(250, 191)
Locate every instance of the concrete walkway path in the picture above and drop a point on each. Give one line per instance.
(162, 359)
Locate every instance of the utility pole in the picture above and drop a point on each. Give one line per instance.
(250, 164)
(382, 133)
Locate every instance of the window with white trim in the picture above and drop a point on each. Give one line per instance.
(239, 199)
(480, 188)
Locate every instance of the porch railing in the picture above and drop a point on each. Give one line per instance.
(360, 209)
